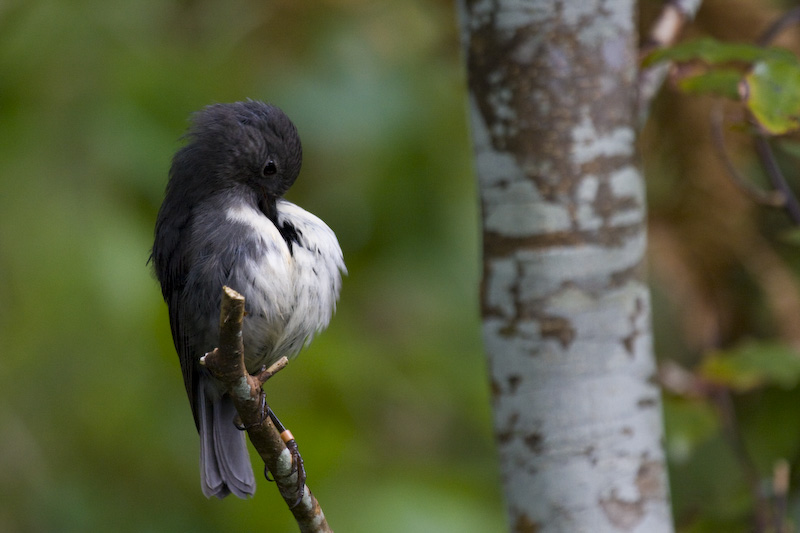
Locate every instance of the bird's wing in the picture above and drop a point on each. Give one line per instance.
(171, 268)
(187, 351)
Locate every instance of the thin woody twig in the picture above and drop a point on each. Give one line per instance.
(770, 198)
(780, 490)
(267, 373)
(664, 32)
(733, 434)
(763, 149)
(787, 19)
(226, 363)
(773, 170)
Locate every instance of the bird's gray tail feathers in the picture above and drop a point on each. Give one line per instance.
(225, 466)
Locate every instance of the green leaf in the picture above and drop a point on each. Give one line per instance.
(720, 82)
(790, 236)
(773, 94)
(716, 52)
(789, 147)
(689, 423)
(753, 364)
(772, 84)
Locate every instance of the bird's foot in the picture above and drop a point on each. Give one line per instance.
(298, 467)
(237, 421)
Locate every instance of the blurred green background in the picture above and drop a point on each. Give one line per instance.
(390, 405)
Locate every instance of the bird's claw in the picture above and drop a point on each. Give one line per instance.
(237, 421)
(299, 468)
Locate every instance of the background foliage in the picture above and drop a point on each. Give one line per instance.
(724, 273)
(390, 405)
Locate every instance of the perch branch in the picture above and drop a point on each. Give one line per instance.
(226, 363)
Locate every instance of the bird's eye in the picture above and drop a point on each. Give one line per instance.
(270, 168)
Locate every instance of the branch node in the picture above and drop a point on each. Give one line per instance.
(267, 373)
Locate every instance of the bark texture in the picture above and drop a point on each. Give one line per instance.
(566, 311)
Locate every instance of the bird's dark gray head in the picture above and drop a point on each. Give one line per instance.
(250, 143)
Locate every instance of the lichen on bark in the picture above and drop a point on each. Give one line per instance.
(565, 308)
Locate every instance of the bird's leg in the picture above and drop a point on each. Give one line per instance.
(297, 459)
(237, 421)
(263, 375)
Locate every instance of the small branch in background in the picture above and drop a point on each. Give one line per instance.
(769, 198)
(777, 178)
(780, 491)
(663, 33)
(733, 434)
(226, 363)
(763, 148)
(777, 282)
(771, 501)
(770, 506)
(787, 19)
(676, 380)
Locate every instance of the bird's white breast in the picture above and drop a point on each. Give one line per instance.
(293, 292)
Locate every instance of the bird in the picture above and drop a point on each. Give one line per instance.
(224, 222)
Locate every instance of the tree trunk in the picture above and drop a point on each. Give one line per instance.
(566, 312)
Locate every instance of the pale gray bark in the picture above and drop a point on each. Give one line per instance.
(566, 312)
